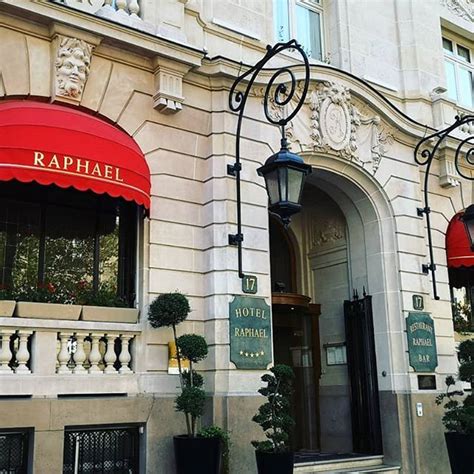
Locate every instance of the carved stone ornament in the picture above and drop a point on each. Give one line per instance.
(326, 232)
(72, 67)
(332, 124)
(461, 8)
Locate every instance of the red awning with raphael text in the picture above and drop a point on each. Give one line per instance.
(51, 144)
(458, 246)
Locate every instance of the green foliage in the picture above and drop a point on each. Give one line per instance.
(73, 293)
(191, 401)
(195, 381)
(274, 415)
(459, 416)
(168, 309)
(461, 315)
(193, 347)
(214, 431)
(5, 293)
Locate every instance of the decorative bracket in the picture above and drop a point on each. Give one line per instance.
(168, 98)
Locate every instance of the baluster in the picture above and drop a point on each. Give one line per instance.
(94, 355)
(64, 355)
(79, 355)
(133, 8)
(22, 355)
(5, 352)
(125, 357)
(121, 6)
(110, 356)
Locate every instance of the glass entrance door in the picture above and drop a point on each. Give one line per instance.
(296, 343)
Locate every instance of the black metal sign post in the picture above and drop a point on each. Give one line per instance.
(425, 152)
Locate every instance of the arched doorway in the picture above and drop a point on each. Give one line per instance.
(317, 325)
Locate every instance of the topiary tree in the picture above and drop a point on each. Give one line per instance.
(170, 309)
(459, 416)
(274, 415)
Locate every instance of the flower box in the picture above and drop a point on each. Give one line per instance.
(26, 309)
(6, 308)
(109, 315)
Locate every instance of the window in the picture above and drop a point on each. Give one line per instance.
(459, 69)
(63, 244)
(300, 19)
(461, 282)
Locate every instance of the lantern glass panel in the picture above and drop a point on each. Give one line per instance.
(295, 183)
(283, 177)
(271, 180)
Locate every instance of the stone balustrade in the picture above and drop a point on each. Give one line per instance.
(94, 353)
(14, 350)
(127, 12)
(77, 352)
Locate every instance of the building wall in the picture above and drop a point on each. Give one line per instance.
(374, 187)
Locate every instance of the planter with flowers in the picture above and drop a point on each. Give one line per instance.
(104, 305)
(459, 416)
(45, 301)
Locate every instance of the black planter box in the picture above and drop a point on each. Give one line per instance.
(461, 452)
(274, 463)
(197, 455)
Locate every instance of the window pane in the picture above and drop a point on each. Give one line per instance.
(451, 80)
(465, 87)
(19, 241)
(281, 20)
(447, 45)
(109, 253)
(295, 179)
(308, 31)
(464, 53)
(69, 248)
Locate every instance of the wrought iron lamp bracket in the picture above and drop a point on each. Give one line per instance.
(425, 151)
(280, 93)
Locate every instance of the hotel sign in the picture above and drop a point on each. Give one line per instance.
(421, 342)
(250, 332)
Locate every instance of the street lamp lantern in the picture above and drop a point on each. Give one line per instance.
(284, 174)
(468, 219)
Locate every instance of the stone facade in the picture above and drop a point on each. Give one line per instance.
(161, 70)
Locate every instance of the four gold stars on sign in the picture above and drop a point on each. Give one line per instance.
(252, 354)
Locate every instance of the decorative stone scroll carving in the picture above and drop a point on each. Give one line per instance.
(332, 124)
(461, 8)
(72, 66)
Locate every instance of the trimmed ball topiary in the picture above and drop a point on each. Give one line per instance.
(191, 401)
(168, 309)
(193, 347)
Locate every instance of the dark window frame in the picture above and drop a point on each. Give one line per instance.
(47, 197)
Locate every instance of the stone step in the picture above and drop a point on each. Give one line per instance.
(369, 464)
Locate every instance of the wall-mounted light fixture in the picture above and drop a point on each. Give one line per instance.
(425, 151)
(284, 172)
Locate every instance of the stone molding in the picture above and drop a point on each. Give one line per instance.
(71, 68)
(461, 8)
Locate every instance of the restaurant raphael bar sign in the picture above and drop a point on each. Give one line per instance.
(421, 342)
(250, 333)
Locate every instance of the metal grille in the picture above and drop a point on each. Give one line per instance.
(113, 450)
(14, 452)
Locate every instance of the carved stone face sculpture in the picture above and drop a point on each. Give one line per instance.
(72, 67)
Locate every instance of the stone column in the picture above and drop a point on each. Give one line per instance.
(23, 355)
(5, 352)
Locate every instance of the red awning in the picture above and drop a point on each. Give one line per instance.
(50, 144)
(458, 246)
